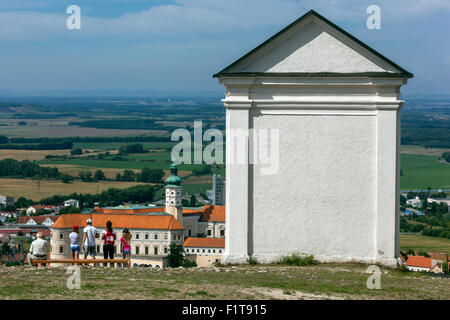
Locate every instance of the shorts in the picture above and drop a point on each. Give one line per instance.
(126, 251)
(75, 248)
(89, 250)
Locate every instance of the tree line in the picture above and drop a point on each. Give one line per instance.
(26, 169)
(109, 197)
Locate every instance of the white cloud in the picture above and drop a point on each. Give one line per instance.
(203, 17)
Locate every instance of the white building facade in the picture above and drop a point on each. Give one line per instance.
(335, 105)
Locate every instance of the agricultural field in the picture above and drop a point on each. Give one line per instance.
(423, 171)
(40, 128)
(410, 149)
(30, 154)
(28, 188)
(252, 282)
(423, 243)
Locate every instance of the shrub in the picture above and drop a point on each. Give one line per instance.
(189, 264)
(402, 268)
(297, 260)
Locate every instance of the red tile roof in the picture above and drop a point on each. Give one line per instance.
(419, 261)
(130, 221)
(204, 242)
(209, 213)
(37, 219)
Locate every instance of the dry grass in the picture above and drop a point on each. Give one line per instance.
(30, 154)
(28, 188)
(422, 150)
(327, 281)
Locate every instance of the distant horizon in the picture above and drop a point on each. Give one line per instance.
(154, 94)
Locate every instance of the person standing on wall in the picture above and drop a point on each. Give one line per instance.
(74, 243)
(109, 236)
(125, 244)
(90, 233)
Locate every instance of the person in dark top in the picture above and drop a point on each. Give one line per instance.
(109, 237)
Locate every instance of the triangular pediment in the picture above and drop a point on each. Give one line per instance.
(313, 45)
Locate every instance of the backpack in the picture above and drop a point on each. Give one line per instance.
(109, 237)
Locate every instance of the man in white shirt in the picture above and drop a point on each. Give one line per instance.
(38, 249)
(89, 235)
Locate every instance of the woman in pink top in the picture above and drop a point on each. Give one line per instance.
(125, 244)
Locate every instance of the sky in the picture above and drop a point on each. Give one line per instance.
(164, 46)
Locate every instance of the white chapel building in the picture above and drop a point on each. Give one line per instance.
(336, 105)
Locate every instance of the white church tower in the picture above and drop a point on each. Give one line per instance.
(174, 194)
(335, 104)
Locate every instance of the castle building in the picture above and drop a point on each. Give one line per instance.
(153, 229)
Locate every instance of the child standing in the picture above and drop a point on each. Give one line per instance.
(75, 243)
(125, 244)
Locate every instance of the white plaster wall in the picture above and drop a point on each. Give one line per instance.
(323, 199)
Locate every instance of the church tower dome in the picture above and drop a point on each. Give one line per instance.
(174, 194)
(173, 179)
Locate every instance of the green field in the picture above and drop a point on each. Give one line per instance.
(103, 146)
(423, 171)
(423, 243)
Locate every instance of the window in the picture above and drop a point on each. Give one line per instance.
(61, 235)
(222, 233)
(137, 235)
(137, 250)
(146, 250)
(173, 192)
(165, 249)
(171, 202)
(61, 249)
(166, 236)
(115, 249)
(146, 236)
(155, 250)
(189, 232)
(208, 232)
(98, 249)
(179, 237)
(220, 250)
(156, 236)
(198, 250)
(178, 193)
(203, 250)
(209, 250)
(214, 250)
